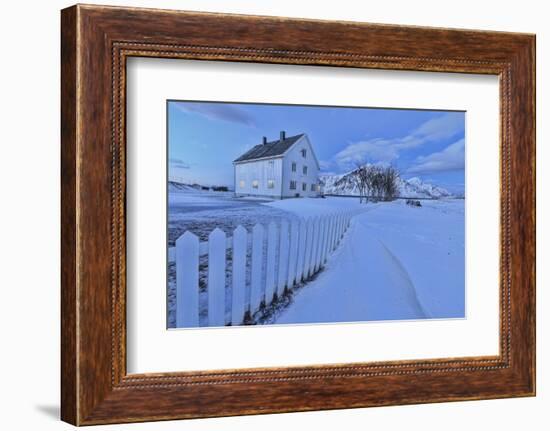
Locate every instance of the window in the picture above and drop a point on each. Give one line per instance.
(292, 185)
(293, 166)
(304, 187)
(241, 184)
(271, 163)
(255, 184)
(304, 170)
(270, 184)
(314, 187)
(304, 153)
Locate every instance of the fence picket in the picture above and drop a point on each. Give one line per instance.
(319, 263)
(327, 243)
(315, 251)
(312, 245)
(322, 243)
(293, 254)
(239, 275)
(309, 245)
(345, 223)
(256, 275)
(337, 239)
(329, 230)
(332, 232)
(187, 280)
(307, 254)
(216, 278)
(301, 251)
(283, 258)
(270, 267)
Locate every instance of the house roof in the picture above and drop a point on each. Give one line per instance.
(270, 149)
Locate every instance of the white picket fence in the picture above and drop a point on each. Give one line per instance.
(295, 251)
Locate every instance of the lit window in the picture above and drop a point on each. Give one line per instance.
(255, 184)
(304, 187)
(292, 185)
(270, 184)
(241, 184)
(304, 170)
(293, 166)
(304, 153)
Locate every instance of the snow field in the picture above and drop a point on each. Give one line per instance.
(395, 262)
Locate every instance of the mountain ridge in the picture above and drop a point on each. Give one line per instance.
(343, 184)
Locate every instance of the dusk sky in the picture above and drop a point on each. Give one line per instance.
(204, 138)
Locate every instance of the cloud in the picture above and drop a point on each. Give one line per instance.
(325, 165)
(449, 159)
(443, 127)
(218, 111)
(381, 150)
(178, 163)
(373, 149)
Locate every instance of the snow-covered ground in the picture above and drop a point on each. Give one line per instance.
(202, 211)
(396, 262)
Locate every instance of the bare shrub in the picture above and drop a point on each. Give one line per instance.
(376, 182)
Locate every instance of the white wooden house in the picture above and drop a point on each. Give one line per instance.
(285, 168)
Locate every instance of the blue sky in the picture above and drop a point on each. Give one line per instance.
(204, 138)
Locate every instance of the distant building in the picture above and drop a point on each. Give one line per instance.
(285, 168)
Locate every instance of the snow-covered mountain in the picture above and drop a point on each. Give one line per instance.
(416, 188)
(343, 184)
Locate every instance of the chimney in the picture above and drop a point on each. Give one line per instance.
(264, 140)
(282, 135)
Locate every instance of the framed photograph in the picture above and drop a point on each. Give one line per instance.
(270, 231)
(322, 214)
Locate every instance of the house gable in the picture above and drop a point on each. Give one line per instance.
(297, 180)
(304, 139)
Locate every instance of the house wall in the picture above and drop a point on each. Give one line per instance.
(261, 171)
(312, 176)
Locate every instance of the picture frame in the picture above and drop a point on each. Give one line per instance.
(96, 42)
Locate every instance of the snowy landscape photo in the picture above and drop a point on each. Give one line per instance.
(298, 214)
